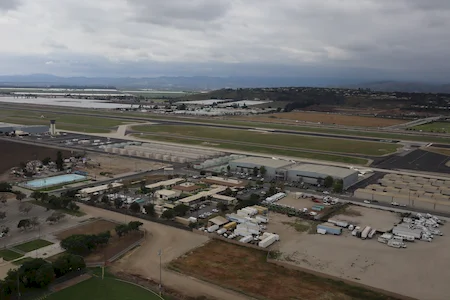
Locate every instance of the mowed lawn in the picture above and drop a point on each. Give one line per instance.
(8, 255)
(443, 127)
(282, 140)
(32, 245)
(106, 289)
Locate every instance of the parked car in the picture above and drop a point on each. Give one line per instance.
(367, 201)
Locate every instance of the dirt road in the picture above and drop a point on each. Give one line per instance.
(173, 242)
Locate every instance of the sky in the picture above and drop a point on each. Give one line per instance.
(392, 39)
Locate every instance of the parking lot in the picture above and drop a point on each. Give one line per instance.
(205, 210)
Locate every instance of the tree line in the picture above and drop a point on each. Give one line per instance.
(39, 274)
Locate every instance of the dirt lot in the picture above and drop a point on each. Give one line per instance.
(326, 118)
(114, 165)
(115, 244)
(245, 269)
(94, 227)
(363, 216)
(298, 203)
(419, 271)
(12, 154)
(144, 260)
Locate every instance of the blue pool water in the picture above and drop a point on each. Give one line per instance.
(55, 180)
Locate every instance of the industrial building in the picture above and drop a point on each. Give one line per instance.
(288, 170)
(165, 184)
(224, 181)
(224, 199)
(27, 129)
(197, 198)
(310, 173)
(273, 166)
(420, 192)
(167, 194)
(187, 187)
(86, 192)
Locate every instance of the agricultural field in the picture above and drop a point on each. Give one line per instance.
(272, 139)
(246, 270)
(115, 244)
(106, 289)
(258, 149)
(14, 153)
(442, 127)
(326, 118)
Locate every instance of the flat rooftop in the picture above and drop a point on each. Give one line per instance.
(164, 183)
(322, 169)
(262, 161)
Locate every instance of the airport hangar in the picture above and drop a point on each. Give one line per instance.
(295, 172)
(30, 129)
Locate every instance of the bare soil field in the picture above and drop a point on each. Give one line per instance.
(297, 203)
(245, 269)
(115, 244)
(420, 271)
(363, 216)
(12, 154)
(144, 261)
(325, 118)
(113, 164)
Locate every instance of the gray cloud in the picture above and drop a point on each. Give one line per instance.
(9, 4)
(408, 37)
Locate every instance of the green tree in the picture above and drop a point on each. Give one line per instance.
(24, 224)
(68, 263)
(46, 161)
(59, 161)
(134, 225)
(338, 186)
(228, 168)
(262, 171)
(181, 210)
(5, 187)
(255, 171)
(328, 182)
(36, 273)
(135, 207)
(122, 229)
(150, 209)
(20, 196)
(36, 195)
(105, 199)
(168, 214)
(2, 215)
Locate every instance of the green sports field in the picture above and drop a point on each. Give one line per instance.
(442, 127)
(106, 289)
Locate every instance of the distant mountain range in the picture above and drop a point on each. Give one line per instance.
(212, 83)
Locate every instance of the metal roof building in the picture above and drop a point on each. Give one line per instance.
(310, 173)
(273, 166)
(31, 129)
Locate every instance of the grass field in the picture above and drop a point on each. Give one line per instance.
(444, 151)
(106, 289)
(442, 127)
(246, 270)
(325, 118)
(262, 149)
(9, 254)
(274, 139)
(22, 261)
(33, 245)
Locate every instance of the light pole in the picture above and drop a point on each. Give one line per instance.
(160, 277)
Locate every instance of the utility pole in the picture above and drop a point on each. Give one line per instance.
(160, 277)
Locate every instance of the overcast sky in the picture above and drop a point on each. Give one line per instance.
(402, 39)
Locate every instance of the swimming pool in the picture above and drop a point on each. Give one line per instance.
(53, 181)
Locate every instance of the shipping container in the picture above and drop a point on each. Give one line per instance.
(330, 228)
(321, 231)
(268, 241)
(246, 239)
(230, 225)
(365, 232)
(213, 228)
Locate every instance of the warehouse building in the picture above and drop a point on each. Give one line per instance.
(224, 181)
(28, 129)
(275, 168)
(224, 199)
(167, 194)
(165, 184)
(311, 174)
(87, 192)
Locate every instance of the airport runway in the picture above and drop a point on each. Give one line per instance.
(193, 123)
